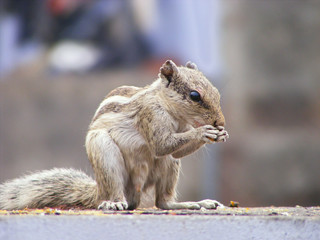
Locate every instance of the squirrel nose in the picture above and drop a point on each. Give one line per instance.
(220, 121)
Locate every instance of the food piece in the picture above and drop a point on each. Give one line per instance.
(234, 204)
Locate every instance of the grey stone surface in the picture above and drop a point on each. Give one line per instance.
(158, 227)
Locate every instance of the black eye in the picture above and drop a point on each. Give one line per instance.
(195, 96)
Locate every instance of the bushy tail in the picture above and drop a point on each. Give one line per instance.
(49, 188)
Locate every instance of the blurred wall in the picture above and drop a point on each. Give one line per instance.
(272, 102)
(44, 119)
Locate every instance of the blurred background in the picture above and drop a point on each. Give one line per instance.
(59, 58)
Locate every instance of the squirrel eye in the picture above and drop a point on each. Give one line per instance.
(195, 96)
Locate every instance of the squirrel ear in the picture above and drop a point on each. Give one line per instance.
(191, 65)
(169, 69)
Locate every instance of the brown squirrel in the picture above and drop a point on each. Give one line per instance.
(134, 142)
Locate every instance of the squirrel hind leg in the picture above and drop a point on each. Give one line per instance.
(109, 169)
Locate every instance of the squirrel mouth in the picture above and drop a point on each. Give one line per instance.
(197, 124)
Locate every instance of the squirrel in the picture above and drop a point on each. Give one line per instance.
(135, 141)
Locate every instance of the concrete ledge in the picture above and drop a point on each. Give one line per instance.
(161, 226)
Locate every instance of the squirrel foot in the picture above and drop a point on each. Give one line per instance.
(109, 205)
(207, 204)
(210, 204)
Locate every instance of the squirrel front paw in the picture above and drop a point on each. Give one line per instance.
(222, 135)
(210, 134)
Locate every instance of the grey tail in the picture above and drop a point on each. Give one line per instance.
(49, 188)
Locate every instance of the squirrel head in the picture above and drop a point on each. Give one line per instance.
(191, 95)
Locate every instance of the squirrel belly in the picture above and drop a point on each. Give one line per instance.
(49, 188)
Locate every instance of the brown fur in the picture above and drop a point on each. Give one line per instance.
(163, 123)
